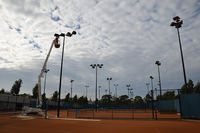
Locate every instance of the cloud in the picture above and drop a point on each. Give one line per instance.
(126, 36)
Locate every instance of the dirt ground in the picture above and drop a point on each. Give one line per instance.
(13, 124)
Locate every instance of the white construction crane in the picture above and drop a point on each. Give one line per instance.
(57, 45)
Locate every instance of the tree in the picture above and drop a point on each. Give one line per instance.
(2, 91)
(35, 91)
(189, 88)
(148, 98)
(82, 100)
(43, 97)
(75, 99)
(197, 87)
(138, 100)
(67, 98)
(169, 95)
(105, 99)
(16, 87)
(55, 96)
(123, 99)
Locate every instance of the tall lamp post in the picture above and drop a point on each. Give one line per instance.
(128, 88)
(151, 77)
(71, 81)
(99, 92)
(95, 66)
(86, 87)
(158, 64)
(109, 93)
(116, 89)
(68, 34)
(178, 24)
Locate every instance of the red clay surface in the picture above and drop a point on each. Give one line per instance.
(113, 114)
(13, 124)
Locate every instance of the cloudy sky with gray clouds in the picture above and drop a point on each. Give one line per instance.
(126, 36)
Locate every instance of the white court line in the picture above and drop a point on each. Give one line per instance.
(71, 119)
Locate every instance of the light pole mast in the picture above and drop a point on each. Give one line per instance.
(152, 96)
(95, 66)
(128, 88)
(71, 81)
(86, 87)
(109, 85)
(99, 92)
(68, 34)
(158, 63)
(116, 89)
(178, 24)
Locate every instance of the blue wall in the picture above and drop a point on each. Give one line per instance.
(190, 106)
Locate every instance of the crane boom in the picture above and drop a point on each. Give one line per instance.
(55, 41)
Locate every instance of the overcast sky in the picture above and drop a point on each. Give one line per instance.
(126, 36)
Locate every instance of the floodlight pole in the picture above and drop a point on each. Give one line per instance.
(99, 92)
(95, 66)
(86, 87)
(158, 64)
(152, 96)
(128, 88)
(116, 89)
(71, 81)
(109, 85)
(183, 64)
(61, 67)
(178, 24)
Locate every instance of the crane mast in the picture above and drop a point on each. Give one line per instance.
(55, 42)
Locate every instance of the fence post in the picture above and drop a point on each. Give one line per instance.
(8, 103)
(76, 113)
(152, 104)
(133, 111)
(180, 106)
(67, 112)
(93, 113)
(156, 113)
(112, 112)
(46, 108)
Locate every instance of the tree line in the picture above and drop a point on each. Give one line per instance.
(106, 99)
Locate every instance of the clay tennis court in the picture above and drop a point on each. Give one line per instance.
(10, 123)
(113, 114)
